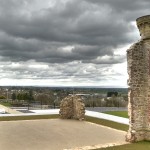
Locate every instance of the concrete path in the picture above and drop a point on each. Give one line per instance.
(103, 109)
(57, 134)
(108, 117)
(89, 113)
(9, 110)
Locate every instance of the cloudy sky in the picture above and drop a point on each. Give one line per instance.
(67, 42)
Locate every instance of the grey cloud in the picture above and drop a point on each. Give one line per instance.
(74, 71)
(40, 31)
(115, 59)
(60, 24)
(22, 49)
(125, 8)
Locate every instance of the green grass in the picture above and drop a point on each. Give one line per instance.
(145, 145)
(118, 113)
(7, 104)
(108, 123)
(15, 118)
(89, 119)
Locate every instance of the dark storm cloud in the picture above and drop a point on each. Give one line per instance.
(61, 32)
(125, 9)
(71, 23)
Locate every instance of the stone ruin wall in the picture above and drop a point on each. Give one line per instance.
(72, 107)
(138, 57)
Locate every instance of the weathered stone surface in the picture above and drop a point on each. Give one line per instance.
(138, 57)
(72, 107)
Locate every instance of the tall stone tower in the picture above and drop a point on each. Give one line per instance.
(138, 57)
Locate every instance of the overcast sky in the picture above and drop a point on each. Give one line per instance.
(67, 42)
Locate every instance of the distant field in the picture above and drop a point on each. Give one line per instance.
(118, 113)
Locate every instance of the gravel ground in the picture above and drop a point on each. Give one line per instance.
(57, 134)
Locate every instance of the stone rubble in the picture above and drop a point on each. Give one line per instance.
(72, 107)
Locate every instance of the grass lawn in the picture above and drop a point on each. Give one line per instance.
(15, 118)
(7, 104)
(108, 123)
(134, 146)
(118, 113)
(89, 119)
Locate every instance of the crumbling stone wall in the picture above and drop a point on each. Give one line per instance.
(72, 107)
(138, 57)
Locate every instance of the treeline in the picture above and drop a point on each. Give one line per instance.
(2, 97)
(23, 96)
(113, 101)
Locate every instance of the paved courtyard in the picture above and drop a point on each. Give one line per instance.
(56, 134)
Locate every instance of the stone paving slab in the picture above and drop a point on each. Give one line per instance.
(57, 134)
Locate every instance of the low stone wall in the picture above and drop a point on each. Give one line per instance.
(72, 107)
